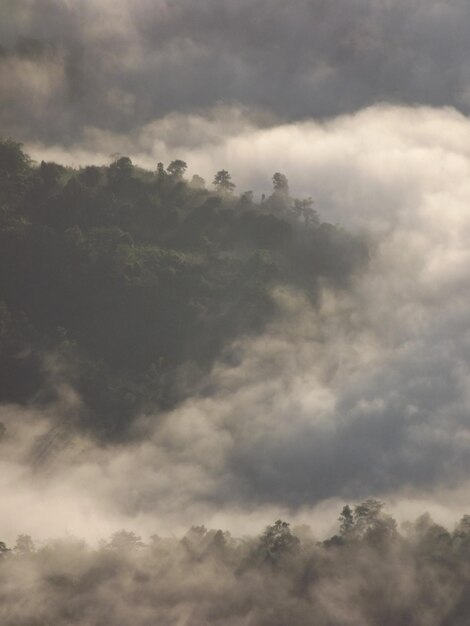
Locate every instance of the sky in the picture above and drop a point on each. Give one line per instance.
(69, 68)
(364, 105)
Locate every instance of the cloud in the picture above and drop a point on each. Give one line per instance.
(116, 66)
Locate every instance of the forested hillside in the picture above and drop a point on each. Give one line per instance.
(125, 285)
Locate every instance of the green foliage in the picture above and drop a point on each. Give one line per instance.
(146, 273)
(121, 170)
(346, 520)
(13, 161)
(276, 542)
(366, 522)
(280, 183)
(90, 176)
(125, 541)
(15, 169)
(24, 545)
(51, 173)
(176, 169)
(223, 182)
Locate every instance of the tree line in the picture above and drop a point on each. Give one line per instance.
(368, 573)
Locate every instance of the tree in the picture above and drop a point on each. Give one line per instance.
(90, 175)
(463, 527)
(280, 183)
(246, 199)
(121, 170)
(51, 173)
(276, 541)
(346, 521)
(177, 168)
(461, 535)
(125, 541)
(223, 182)
(197, 182)
(161, 174)
(13, 161)
(304, 210)
(24, 545)
(367, 521)
(280, 202)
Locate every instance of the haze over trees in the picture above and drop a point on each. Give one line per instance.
(368, 573)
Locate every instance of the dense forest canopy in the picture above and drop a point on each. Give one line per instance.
(126, 284)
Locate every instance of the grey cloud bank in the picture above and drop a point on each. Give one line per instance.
(115, 66)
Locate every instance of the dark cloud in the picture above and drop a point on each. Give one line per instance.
(118, 65)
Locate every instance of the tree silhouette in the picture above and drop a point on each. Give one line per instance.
(176, 169)
(276, 541)
(223, 182)
(280, 183)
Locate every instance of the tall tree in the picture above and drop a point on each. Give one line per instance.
(280, 183)
(177, 168)
(223, 182)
